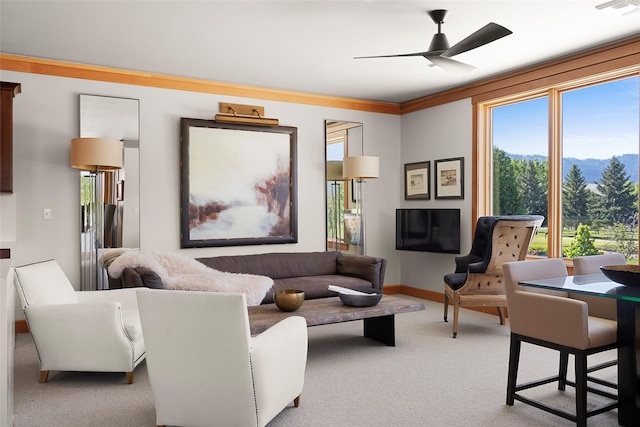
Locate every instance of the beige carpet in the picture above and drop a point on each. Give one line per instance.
(428, 379)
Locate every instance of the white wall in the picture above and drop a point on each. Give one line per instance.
(440, 132)
(46, 117)
(7, 339)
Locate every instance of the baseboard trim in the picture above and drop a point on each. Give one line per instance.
(23, 328)
(434, 296)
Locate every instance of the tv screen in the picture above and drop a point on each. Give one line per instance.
(428, 230)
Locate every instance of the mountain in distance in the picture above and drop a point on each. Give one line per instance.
(591, 168)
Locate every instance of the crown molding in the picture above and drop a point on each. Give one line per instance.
(49, 67)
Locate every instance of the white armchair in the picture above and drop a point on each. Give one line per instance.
(79, 331)
(205, 368)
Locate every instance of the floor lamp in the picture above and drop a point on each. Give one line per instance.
(361, 168)
(95, 155)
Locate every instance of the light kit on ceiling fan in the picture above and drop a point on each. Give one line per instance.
(244, 114)
(440, 53)
(620, 7)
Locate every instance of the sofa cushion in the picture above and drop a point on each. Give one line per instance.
(359, 266)
(317, 286)
(277, 265)
(145, 277)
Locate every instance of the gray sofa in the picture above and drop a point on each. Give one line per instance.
(311, 272)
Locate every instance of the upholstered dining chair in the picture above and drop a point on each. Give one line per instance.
(477, 280)
(600, 307)
(72, 330)
(553, 320)
(205, 369)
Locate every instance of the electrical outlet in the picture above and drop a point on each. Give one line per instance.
(46, 214)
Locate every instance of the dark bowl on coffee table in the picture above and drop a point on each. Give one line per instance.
(366, 300)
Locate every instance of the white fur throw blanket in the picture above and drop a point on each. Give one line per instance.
(178, 271)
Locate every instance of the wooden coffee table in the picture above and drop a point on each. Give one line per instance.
(379, 320)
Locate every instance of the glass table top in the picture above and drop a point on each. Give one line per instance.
(589, 284)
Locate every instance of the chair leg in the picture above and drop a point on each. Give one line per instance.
(130, 377)
(296, 401)
(501, 314)
(581, 389)
(456, 309)
(44, 376)
(562, 373)
(446, 306)
(514, 360)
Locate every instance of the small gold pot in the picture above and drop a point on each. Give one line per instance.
(288, 299)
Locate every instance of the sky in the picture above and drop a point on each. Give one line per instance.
(598, 122)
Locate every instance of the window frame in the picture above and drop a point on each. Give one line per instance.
(483, 153)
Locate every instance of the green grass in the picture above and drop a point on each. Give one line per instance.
(603, 240)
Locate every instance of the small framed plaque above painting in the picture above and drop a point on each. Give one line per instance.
(449, 175)
(417, 182)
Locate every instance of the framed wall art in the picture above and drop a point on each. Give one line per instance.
(238, 184)
(417, 181)
(449, 176)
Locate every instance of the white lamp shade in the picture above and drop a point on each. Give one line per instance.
(361, 167)
(334, 170)
(96, 154)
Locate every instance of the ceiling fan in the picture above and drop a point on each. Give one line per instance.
(440, 52)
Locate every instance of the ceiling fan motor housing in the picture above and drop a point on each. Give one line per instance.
(439, 42)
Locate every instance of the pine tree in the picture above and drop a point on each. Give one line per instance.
(575, 195)
(618, 194)
(507, 197)
(535, 187)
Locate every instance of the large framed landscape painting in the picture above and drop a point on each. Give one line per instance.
(238, 184)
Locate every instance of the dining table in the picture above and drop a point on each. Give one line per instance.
(628, 316)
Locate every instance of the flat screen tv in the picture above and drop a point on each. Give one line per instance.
(428, 230)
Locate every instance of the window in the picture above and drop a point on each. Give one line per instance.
(569, 153)
(520, 162)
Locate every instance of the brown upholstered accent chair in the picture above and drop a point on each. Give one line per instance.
(550, 319)
(600, 307)
(477, 280)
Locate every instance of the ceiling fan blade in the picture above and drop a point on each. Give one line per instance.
(392, 56)
(450, 65)
(487, 34)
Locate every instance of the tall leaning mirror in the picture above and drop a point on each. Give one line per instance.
(109, 201)
(342, 139)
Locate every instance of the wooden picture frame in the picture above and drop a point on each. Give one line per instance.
(417, 181)
(238, 184)
(449, 177)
